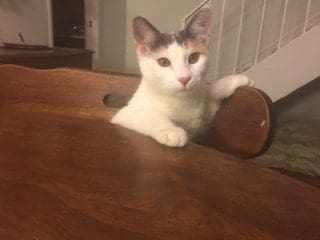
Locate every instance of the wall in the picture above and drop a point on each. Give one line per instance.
(112, 35)
(32, 18)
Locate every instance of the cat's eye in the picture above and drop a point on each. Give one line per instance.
(194, 58)
(164, 62)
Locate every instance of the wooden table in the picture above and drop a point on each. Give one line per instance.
(47, 58)
(67, 173)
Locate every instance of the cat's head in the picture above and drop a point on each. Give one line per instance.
(176, 61)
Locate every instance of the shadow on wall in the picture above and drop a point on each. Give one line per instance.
(17, 6)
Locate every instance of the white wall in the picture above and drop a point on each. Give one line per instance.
(32, 18)
(112, 35)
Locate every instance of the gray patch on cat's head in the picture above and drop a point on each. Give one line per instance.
(183, 36)
(180, 37)
(163, 40)
(146, 34)
(198, 28)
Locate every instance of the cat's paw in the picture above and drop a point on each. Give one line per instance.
(172, 137)
(226, 86)
(232, 82)
(240, 80)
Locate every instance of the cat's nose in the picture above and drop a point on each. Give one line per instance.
(184, 80)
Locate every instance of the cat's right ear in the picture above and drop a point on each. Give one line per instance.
(145, 34)
(200, 25)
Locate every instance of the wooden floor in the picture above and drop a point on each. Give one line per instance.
(66, 173)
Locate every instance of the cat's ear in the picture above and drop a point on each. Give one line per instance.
(200, 25)
(145, 34)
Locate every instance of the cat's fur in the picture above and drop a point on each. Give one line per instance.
(173, 102)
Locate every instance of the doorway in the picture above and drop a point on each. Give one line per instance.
(69, 23)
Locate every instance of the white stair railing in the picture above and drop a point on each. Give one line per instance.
(245, 32)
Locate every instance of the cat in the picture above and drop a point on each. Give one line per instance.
(173, 103)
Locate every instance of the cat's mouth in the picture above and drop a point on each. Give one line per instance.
(189, 86)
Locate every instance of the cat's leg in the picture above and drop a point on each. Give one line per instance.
(152, 123)
(226, 86)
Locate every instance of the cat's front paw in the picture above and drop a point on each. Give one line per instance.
(240, 80)
(226, 86)
(172, 137)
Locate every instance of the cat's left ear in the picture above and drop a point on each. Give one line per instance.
(200, 25)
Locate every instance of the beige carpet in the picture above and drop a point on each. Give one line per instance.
(296, 148)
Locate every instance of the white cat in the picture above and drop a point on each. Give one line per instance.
(173, 102)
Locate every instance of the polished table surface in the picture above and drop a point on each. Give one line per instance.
(67, 173)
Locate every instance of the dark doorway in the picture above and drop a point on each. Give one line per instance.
(68, 23)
